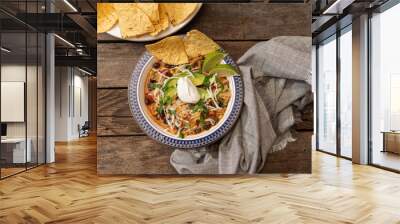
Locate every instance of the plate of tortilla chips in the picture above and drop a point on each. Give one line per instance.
(144, 21)
(186, 91)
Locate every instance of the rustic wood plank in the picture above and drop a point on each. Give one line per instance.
(114, 126)
(236, 48)
(295, 158)
(252, 21)
(127, 126)
(106, 37)
(132, 155)
(136, 155)
(276, 20)
(116, 61)
(112, 102)
(249, 21)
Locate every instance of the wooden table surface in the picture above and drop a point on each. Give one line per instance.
(122, 147)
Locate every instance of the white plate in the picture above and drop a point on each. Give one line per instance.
(116, 32)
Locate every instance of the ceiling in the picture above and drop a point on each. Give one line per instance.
(331, 15)
(72, 20)
(84, 6)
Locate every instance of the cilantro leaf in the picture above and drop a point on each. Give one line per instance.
(153, 86)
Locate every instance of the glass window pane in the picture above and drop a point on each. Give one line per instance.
(13, 88)
(327, 96)
(385, 92)
(346, 93)
(22, 87)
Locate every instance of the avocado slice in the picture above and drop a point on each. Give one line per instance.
(169, 87)
(203, 93)
(197, 79)
(170, 92)
(170, 83)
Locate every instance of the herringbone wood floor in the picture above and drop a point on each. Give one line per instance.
(69, 191)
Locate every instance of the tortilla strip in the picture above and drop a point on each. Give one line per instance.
(133, 22)
(179, 12)
(151, 10)
(197, 43)
(169, 50)
(106, 17)
(163, 23)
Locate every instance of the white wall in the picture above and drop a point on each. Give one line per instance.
(62, 81)
(80, 111)
(71, 102)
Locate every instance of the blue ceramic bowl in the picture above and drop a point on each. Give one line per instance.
(143, 117)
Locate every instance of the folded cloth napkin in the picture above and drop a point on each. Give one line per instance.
(277, 84)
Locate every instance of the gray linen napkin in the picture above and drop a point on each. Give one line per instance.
(277, 79)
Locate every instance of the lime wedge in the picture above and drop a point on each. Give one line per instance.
(223, 70)
(211, 60)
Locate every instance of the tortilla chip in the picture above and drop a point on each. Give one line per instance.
(151, 10)
(106, 17)
(169, 50)
(133, 22)
(197, 43)
(163, 23)
(179, 12)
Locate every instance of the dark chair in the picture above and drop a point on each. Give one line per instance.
(84, 130)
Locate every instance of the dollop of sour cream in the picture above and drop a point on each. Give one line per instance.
(186, 91)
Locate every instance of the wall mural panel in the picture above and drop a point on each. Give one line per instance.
(167, 103)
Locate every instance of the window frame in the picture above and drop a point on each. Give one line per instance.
(380, 9)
